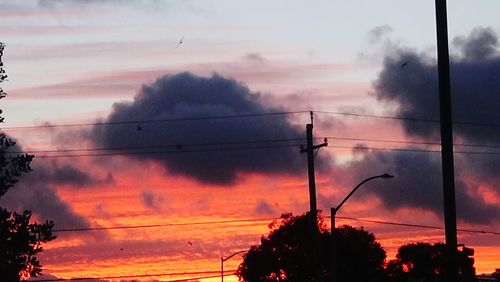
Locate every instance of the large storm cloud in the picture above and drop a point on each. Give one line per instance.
(408, 82)
(218, 156)
(409, 79)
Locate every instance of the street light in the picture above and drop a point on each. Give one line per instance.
(333, 213)
(223, 259)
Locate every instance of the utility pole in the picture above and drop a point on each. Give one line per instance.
(310, 166)
(450, 219)
(310, 149)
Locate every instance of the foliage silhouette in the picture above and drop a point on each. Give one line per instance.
(426, 262)
(20, 240)
(286, 253)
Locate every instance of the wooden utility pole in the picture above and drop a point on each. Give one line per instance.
(310, 149)
(450, 219)
(310, 165)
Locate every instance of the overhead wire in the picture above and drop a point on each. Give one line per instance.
(411, 150)
(177, 146)
(233, 145)
(232, 272)
(163, 225)
(408, 118)
(249, 115)
(226, 273)
(248, 220)
(415, 225)
(147, 121)
(176, 151)
(241, 148)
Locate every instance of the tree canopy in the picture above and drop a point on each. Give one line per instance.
(426, 262)
(20, 240)
(286, 253)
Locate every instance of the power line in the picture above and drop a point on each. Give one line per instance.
(163, 225)
(176, 151)
(221, 117)
(408, 118)
(260, 220)
(172, 151)
(200, 277)
(180, 146)
(411, 150)
(377, 116)
(177, 146)
(146, 121)
(416, 225)
(408, 142)
(228, 272)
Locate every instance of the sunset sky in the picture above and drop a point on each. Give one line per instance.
(198, 144)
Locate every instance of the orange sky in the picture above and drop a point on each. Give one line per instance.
(83, 63)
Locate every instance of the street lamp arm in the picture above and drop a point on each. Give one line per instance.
(223, 259)
(230, 256)
(385, 175)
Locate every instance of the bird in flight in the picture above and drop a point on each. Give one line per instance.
(180, 42)
(404, 64)
(190, 243)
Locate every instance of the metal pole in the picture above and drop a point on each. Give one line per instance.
(333, 213)
(222, 269)
(450, 219)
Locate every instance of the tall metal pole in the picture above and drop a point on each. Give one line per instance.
(450, 219)
(333, 214)
(223, 259)
(221, 269)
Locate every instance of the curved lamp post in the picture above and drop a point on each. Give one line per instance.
(223, 259)
(333, 212)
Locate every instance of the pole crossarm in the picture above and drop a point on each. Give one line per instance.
(304, 150)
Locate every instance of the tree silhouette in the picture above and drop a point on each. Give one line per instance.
(359, 256)
(426, 262)
(20, 240)
(286, 253)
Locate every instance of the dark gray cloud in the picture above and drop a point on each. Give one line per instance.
(418, 184)
(475, 87)
(151, 200)
(185, 95)
(44, 202)
(408, 81)
(35, 191)
(379, 33)
(475, 95)
(481, 44)
(64, 173)
(264, 208)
